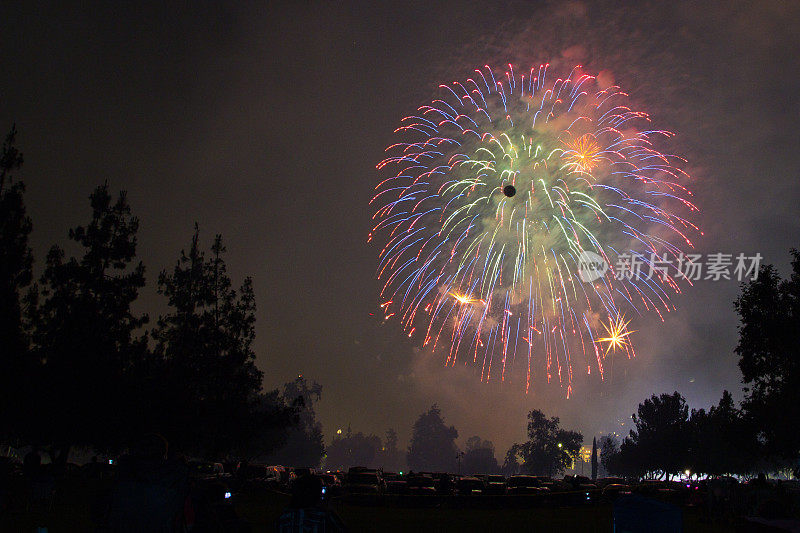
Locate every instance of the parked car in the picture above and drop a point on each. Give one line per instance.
(657, 488)
(445, 483)
(363, 483)
(613, 490)
(303, 471)
(205, 470)
(331, 484)
(469, 486)
(495, 484)
(339, 475)
(257, 476)
(395, 483)
(602, 482)
(284, 475)
(358, 469)
(556, 485)
(521, 484)
(275, 473)
(580, 483)
(421, 485)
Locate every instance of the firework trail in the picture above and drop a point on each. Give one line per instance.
(489, 198)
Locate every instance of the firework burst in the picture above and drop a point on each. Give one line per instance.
(618, 333)
(490, 196)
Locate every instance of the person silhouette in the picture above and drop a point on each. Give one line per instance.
(308, 509)
(150, 490)
(40, 485)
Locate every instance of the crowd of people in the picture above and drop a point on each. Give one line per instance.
(152, 488)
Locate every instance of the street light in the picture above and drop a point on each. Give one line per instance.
(559, 445)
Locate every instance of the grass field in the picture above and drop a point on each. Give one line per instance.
(261, 511)
(72, 511)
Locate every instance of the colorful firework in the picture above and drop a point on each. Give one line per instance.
(492, 194)
(618, 333)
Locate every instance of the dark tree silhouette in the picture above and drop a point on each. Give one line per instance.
(354, 450)
(609, 451)
(512, 462)
(632, 460)
(769, 358)
(668, 441)
(549, 450)
(304, 443)
(392, 458)
(661, 435)
(722, 442)
(16, 260)
(86, 333)
(211, 400)
(75, 365)
(433, 443)
(266, 430)
(479, 457)
(594, 458)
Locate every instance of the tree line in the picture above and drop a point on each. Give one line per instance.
(548, 451)
(669, 439)
(80, 366)
(760, 435)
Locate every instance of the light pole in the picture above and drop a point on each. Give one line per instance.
(459, 455)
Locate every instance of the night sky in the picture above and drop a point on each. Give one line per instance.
(264, 122)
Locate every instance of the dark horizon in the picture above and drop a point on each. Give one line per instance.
(265, 124)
